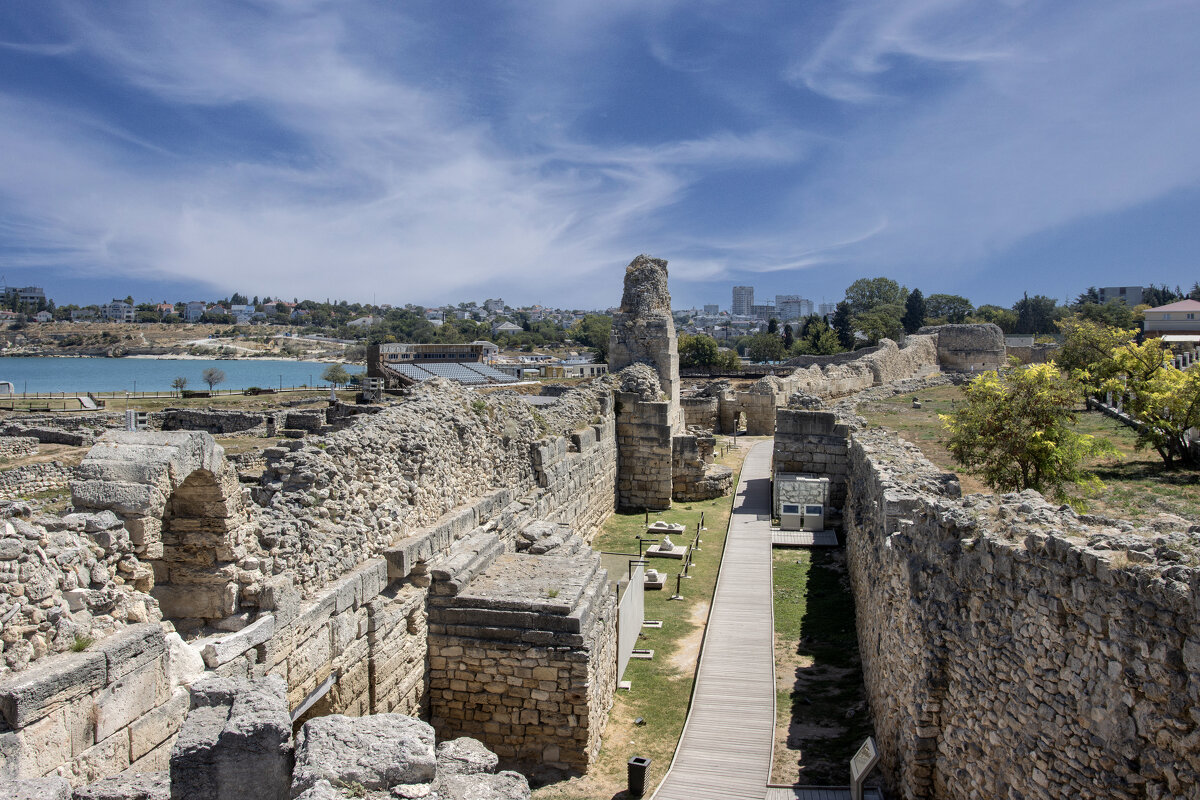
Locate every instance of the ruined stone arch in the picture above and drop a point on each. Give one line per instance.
(183, 506)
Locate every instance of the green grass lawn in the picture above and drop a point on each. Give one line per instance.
(662, 687)
(1138, 485)
(821, 711)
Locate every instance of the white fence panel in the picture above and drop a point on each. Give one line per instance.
(631, 613)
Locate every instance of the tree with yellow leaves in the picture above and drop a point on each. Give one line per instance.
(1015, 432)
(1164, 400)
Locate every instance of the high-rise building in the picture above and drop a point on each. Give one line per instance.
(743, 298)
(711, 309)
(825, 309)
(787, 307)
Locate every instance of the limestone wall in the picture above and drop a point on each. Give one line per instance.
(1011, 649)
(643, 331)
(815, 442)
(117, 704)
(34, 478)
(693, 474)
(968, 348)
(18, 446)
(644, 434)
(881, 364)
(523, 655)
(701, 412)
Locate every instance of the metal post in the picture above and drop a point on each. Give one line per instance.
(677, 595)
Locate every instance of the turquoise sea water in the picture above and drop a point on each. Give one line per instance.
(80, 375)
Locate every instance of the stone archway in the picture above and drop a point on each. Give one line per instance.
(183, 507)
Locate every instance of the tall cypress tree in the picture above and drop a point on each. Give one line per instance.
(914, 311)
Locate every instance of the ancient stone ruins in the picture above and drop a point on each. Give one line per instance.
(400, 599)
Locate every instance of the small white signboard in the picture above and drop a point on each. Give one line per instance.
(863, 762)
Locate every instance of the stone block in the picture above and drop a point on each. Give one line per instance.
(128, 786)
(53, 788)
(159, 724)
(219, 650)
(27, 696)
(123, 701)
(378, 752)
(132, 648)
(235, 743)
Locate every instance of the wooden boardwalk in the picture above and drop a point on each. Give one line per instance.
(818, 793)
(725, 750)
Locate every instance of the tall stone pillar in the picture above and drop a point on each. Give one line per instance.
(644, 333)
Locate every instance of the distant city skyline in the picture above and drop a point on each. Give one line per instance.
(419, 153)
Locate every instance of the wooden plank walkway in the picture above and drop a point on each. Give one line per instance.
(819, 793)
(804, 538)
(725, 750)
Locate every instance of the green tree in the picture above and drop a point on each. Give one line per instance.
(1090, 295)
(765, 347)
(914, 311)
(212, 376)
(697, 350)
(789, 338)
(951, 308)
(1015, 431)
(1087, 349)
(843, 325)
(594, 331)
(1036, 314)
(179, 384)
(881, 322)
(772, 325)
(335, 374)
(1004, 318)
(1114, 313)
(866, 294)
(1164, 399)
(728, 360)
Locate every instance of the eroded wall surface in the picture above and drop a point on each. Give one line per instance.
(1011, 649)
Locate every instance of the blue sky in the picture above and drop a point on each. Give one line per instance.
(429, 152)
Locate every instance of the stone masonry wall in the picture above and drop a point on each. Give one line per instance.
(523, 654)
(813, 441)
(644, 448)
(968, 348)
(693, 475)
(701, 412)
(1013, 649)
(328, 572)
(116, 705)
(882, 364)
(18, 446)
(34, 478)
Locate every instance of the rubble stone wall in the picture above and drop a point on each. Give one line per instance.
(215, 422)
(34, 478)
(693, 473)
(18, 446)
(882, 364)
(1012, 649)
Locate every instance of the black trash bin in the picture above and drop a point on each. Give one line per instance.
(637, 775)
